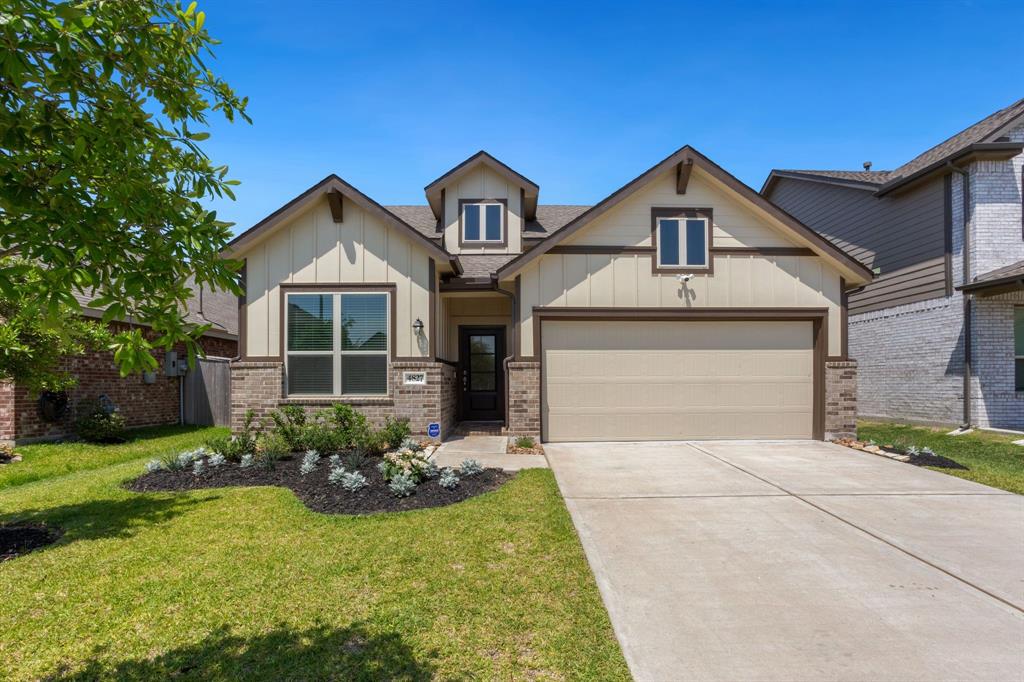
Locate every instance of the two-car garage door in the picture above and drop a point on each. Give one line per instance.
(675, 380)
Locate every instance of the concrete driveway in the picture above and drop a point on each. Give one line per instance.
(799, 560)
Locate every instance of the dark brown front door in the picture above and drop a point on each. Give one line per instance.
(481, 352)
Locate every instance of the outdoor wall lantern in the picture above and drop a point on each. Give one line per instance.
(418, 326)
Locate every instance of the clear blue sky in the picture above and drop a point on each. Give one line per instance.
(582, 97)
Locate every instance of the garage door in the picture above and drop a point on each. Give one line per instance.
(631, 380)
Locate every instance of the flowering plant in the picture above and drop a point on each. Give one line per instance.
(408, 462)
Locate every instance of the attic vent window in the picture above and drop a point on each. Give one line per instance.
(682, 239)
(482, 221)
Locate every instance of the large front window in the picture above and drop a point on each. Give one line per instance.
(337, 343)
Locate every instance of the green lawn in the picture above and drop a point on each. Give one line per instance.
(46, 460)
(248, 583)
(990, 458)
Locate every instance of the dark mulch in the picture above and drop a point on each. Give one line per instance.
(924, 460)
(320, 495)
(21, 538)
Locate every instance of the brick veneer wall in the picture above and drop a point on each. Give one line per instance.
(524, 399)
(840, 399)
(259, 386)
(140, 403)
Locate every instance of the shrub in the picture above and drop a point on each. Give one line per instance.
(289, 422)
(246, 461)
(448, 479)
(335, 475)
(394, 432)
(470, 467)
(97, 425)
(334, 462)
(409, 443)
(216, 459)
(525, 442)
(349, 424)
(402, 485)
(197, 467)
(154, 465)
(183, 460)
(309, 462)
(233, 448)
(370, 442)
(431, 470)
(353, 481)
(270, 447)
(404, 462)
(354, 458)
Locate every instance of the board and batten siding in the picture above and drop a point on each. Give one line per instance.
(904, 235)
(482, 183)
(313, 249)
(625, 280)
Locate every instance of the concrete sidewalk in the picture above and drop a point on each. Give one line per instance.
(488, 450)
(797, 561)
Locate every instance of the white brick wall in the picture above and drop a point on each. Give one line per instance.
(911, 356)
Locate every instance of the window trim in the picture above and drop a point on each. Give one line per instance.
(492, 243)
(660, 213)
(1016, 310)
(390, 290)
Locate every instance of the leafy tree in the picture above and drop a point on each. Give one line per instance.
(31, 349)
(101, 173)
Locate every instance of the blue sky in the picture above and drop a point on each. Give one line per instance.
(582, 97)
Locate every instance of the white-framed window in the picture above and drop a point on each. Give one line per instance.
(337, 343)
(1018, 348)
(483, 221)
(683, 243)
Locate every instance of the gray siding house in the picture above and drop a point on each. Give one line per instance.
(944, 234)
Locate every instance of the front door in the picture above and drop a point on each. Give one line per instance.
(481, 352)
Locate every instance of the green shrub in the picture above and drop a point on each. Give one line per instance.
(96, 425)
(470, 467)
(289, 423)
(525, 443)
(402, 485)
(406, 463)
(234, 448)
(271, 448)
(394, 432)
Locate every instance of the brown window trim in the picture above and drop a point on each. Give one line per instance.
(481, 242)
(818, 317)
(661, 212)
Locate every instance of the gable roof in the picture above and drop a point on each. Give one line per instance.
(981, 140)
(688, 154)
(333, 183)
(530, 189)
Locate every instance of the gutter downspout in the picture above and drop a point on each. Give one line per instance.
(967, 297)
(515, 341)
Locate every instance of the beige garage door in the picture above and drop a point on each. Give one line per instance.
(627, 380)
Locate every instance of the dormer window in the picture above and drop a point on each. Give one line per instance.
(482, 222)
(682, 239)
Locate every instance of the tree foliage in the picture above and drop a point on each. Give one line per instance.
(102, 176)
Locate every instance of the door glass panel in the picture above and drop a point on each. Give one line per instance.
(481, 344)
(482, 381)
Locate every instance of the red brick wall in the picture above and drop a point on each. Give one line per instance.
(140, 403)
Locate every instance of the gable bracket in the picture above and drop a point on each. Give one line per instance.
(683, 175)
(334, 198)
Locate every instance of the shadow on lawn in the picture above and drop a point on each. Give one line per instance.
(106, 518)
(320, 653)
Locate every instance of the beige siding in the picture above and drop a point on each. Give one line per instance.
(629, 223)
(313, 249)
(459, 310)
(626, 280)
(677, 380)
(483, 183)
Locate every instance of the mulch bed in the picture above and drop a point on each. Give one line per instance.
(921, 459)
(21, 538)
(320, 495)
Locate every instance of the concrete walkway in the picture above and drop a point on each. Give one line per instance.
(797, 561)
(488, 450)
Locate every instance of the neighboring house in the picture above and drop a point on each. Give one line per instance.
(143, 400)
(933, 302)
(684, 305)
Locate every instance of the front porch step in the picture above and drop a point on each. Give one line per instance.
(480, 429)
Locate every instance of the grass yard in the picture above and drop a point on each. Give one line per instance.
(248, 583)
(46, 460)
(991, 458)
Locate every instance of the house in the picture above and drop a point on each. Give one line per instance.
(143, 400)
(683, 305)
(944, 316)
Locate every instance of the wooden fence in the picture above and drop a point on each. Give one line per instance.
(208, 392)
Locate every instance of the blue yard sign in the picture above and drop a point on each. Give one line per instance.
(434, 430)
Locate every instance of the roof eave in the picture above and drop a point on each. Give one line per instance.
(531, 189)
(774, 176)
(1003, 285)
(979, 151)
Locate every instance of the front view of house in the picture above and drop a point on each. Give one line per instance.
(682, 306)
